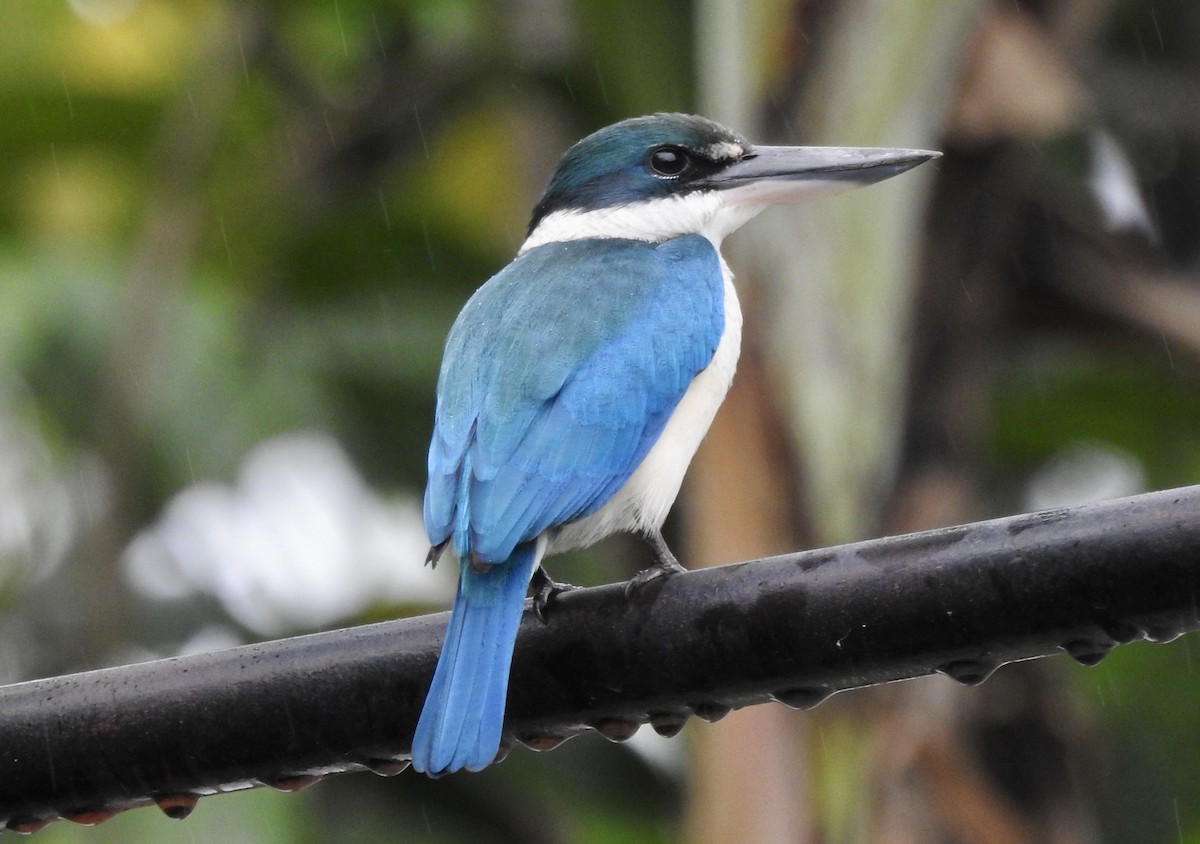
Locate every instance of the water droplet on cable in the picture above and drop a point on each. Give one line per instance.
(90, 816)
(293, 782)
(177, 806)
(710, 710)
(28, 826)
(1121, 632)
(1160, 634)
(668, 724)
(969, 672)
(1087, 651)
(387, 767)
(802, 697)
(542, 742)
(616, 729)
(502, 753)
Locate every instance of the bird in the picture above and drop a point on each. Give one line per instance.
(577, 383)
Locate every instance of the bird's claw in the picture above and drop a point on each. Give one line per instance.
(431, 559)
(545, 591)
(664, 564)
(661, 568)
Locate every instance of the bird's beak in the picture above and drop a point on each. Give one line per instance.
(770, 174)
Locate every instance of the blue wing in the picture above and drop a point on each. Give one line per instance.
(558, 377)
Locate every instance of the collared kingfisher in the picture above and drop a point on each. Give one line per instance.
(578, 381)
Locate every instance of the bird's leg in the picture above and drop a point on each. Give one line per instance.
(664, 564)
(545, 590)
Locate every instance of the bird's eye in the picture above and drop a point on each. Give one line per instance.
(668, 162)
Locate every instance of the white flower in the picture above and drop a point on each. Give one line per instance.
(301, 542)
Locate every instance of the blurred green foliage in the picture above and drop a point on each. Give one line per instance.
(224, 221)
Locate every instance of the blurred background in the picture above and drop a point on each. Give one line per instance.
(233, 236)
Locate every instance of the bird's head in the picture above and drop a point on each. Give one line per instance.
(665, 175)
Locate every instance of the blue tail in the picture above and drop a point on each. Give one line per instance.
(464, 710)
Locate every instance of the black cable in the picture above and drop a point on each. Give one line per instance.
(795, 628)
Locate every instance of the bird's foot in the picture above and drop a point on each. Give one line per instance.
(545, 591)
(664, 564)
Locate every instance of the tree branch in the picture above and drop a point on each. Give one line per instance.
(795, 628)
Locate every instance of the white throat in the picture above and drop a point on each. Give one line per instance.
(707, 213)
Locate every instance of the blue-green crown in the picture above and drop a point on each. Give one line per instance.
(611, 166)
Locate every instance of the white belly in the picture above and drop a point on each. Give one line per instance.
(643, 502)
